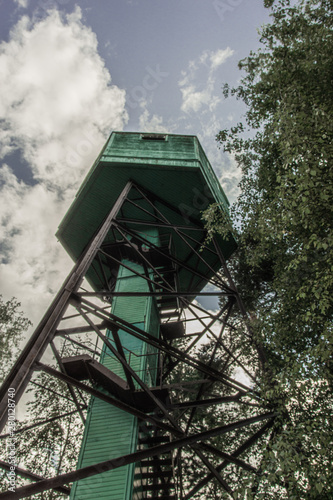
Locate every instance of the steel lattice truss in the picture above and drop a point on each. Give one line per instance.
(208, 365)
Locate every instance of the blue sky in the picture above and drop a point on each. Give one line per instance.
(74, 71)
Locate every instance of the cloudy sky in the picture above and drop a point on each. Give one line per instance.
(71, 72)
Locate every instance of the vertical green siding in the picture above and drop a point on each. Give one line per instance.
(109, 431)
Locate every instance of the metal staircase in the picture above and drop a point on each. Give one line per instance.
(157, 474)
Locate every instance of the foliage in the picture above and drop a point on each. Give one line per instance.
(52, 448)
(49, 433)
(236, 351)
(12, 326)
(284, 212)
(283, 220)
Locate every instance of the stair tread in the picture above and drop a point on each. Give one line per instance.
(155, 439)
(157, 487)
(163, 497)
(157, 474)
(156, 461)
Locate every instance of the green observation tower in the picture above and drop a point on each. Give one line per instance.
(149, 336)
(168, 181)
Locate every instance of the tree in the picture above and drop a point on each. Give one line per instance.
(13, 324)
(48, 436)
(284, 220)
(49, 440)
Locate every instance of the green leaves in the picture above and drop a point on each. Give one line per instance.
(284, 217)
(13, 324)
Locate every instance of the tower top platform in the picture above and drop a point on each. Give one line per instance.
(174, 168)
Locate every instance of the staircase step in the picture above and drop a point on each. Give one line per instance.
(173, 330)
(156, 461)
(157, 474)
(166, 302)
(169, 314)
(157, 487)
(155, 439)
(163, 497)
(84, 367)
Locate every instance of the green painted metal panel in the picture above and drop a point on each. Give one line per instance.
(175, 169)
(109, 431)
(133, 308)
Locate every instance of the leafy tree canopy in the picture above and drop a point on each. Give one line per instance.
(13, 324)
(283, 222)
(284, 213)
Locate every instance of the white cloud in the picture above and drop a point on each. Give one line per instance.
(57, 105)
(152, 124)
(198, 83)
(53, 82)
(22, 3)
(230, 177)
(200, 86)
(219, 57)
(33, 263)
(224, 164)
(194, 100)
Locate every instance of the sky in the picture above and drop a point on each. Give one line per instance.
(71, 73)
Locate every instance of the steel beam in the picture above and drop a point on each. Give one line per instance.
(158, 224)
(172, 258)
(42, 422)
(193, 250)
(214, 471)
(128, 369)
(21, 373)
(247, 444)
(164, 346)
(162, 293)
(205, 402)
(33, 477)
(107, 398)
(114, 463)
(70, 294)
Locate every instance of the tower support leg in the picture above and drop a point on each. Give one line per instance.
(21, 372)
